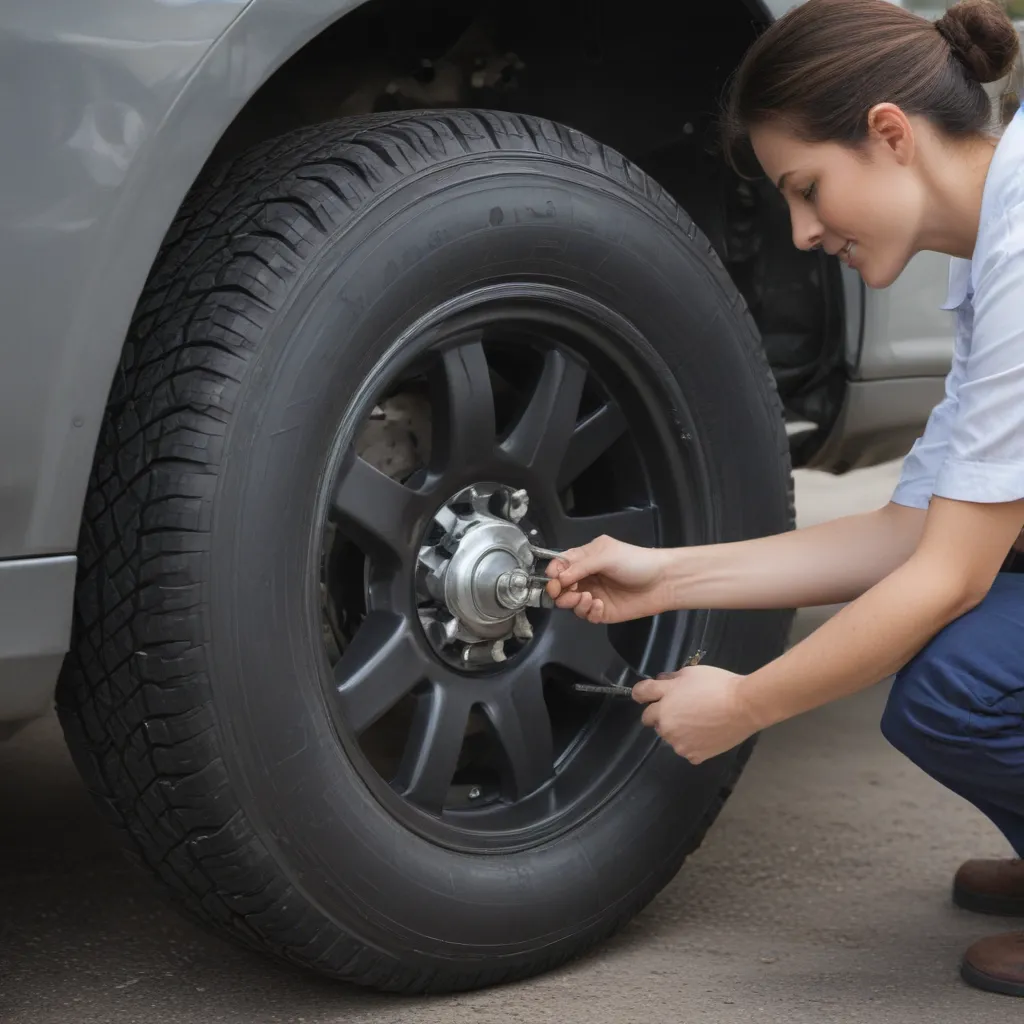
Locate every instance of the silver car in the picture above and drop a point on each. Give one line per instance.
(325, 323)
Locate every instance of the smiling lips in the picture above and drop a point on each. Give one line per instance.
(846, 253)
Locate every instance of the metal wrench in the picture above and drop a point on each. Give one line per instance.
(547, 554)
(536, 580)
(625, 689)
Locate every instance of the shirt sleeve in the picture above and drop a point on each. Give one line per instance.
(984, 454)
(922, 464)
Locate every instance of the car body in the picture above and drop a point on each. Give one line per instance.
(119, 107)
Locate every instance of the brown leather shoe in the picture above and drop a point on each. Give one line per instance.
(996, 964)
(991, 887)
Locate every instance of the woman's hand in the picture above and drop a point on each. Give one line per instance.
(698, 711)
(607, 581)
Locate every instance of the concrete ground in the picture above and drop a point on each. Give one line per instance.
(821, 895)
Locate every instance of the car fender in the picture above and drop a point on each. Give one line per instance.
(120, 106)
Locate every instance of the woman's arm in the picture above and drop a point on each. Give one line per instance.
(703, 711)
(823, 564)
(609, 581)
(974, 518)
(961, 550)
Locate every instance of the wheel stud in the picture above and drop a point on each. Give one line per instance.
(518, 503)
(522, 627)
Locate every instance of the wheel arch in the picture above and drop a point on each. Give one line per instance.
(180, 140)
(57, 389)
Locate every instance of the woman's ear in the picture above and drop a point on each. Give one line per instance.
(891, 128)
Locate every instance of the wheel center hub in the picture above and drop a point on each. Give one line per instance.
(486, 551)
(473, 575)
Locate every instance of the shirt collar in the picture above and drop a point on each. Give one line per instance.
(1005, 162)
(959, 282)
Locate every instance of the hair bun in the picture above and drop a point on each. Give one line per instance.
(982, 38)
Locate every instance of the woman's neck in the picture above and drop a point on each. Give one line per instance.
(955, 182)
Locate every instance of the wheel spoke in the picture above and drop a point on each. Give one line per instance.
(377, 669)
(522, 727)
(587, 650)
(592, 437)
(464, 431)
(432, 750)
(632, 525)
(544, 432)
(378, 513)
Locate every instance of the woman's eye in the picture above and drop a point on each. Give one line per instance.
(810, 192)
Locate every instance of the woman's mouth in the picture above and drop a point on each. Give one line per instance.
(846, 253)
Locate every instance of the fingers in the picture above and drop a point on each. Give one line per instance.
(574, 565)
(560, 564)
(583, 603)
(650, 690)
(555, 586)
(651, 715)
(565, 573)
(588, 607)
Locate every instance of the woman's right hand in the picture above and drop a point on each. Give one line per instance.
(607, 580)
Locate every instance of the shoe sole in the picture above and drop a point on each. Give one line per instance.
(979, 979)
(983, 903)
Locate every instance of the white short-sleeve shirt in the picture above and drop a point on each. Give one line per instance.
(972, 448)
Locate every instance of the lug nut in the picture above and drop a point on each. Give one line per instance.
(518, 503)
(512, 589)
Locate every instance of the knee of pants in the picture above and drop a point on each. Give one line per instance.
(924, 717)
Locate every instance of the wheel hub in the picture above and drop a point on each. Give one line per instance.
(474, 576)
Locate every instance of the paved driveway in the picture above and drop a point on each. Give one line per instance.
(821, 895)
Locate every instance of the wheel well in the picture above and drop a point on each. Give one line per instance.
(625, 80)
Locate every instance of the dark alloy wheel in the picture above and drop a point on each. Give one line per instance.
(380, 371)
(516, 417)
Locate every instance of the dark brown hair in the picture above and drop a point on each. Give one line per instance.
(821, 67)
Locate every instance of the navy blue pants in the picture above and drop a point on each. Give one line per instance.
(957, 708)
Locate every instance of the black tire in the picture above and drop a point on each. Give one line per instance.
(192, 701)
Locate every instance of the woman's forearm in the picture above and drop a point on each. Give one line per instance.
(959, 555)
(861, 645)
(827, 563)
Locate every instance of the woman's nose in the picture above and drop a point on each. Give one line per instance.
(807, 231)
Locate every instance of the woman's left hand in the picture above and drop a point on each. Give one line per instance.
(698, 710)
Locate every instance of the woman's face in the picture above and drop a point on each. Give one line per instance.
(863, 205)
